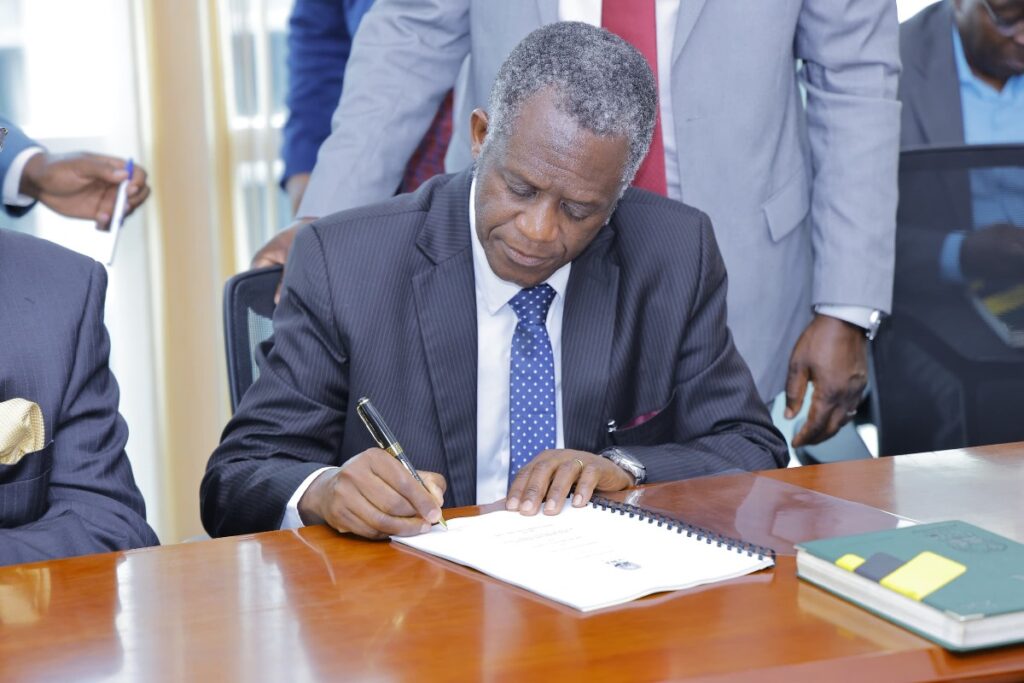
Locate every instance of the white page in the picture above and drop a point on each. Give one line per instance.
(587, 557)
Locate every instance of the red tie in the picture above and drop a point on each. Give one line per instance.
(634, 21)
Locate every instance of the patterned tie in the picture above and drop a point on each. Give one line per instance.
(635, 22)
(531, 394)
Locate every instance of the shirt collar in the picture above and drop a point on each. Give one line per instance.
(495, 291)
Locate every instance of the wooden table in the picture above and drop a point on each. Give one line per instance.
(310, 604)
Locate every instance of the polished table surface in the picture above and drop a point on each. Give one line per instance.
(312, 604)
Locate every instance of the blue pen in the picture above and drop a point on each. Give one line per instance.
(120, 202)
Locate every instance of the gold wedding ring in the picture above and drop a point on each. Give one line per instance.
(582, 466)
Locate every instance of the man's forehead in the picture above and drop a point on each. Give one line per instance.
(543, 129)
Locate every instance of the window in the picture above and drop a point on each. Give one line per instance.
(71, 84)
(254, 47)
(908, 8)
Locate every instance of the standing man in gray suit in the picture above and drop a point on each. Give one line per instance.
(528, 327)
(74, 493)
(803, 197)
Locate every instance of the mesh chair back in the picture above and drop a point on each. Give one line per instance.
(248, 322)
(949, 363)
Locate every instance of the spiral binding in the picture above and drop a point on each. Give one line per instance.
(679, 526)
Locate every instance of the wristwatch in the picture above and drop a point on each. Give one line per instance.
(874, 321)
(627, 462)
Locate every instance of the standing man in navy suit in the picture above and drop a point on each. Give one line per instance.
(532, 328)
(75, 495)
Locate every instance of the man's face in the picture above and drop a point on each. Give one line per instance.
(543, 195)
(991, 52)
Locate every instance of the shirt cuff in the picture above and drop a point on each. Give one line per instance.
(12, 181)
(856, 315)
(949, 257)
(292, 519)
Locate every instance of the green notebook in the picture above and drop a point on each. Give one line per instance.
(951, 582)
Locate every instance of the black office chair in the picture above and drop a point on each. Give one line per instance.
(949, 363)
(248, 321)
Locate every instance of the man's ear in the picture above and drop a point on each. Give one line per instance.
(477, 131)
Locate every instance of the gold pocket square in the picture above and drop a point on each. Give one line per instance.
(21, 430)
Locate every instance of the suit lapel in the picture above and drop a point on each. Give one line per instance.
(588, 325)
(446, 310)
(941, 116)
(689, 12)
(940, 113)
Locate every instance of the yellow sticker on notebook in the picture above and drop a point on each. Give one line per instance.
(849, 562)
(923, 575)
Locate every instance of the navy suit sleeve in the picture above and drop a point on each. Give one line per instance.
(14, 144)
(721, 422)
(93, 504)
(319, 42)
(291, 420)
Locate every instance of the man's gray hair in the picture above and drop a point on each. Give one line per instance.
(602, 82)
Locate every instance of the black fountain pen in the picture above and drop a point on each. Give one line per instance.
(385, 438)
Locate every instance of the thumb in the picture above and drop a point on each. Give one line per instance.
(436, 486)
(796, 388)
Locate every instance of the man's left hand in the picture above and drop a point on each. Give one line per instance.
(832, 353)
(550, 476)
(82, 185)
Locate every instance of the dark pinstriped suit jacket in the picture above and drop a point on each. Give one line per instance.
(380, 301)
(77, 495)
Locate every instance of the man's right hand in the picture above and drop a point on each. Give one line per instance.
(275, 252)
(994, 253)
(374, 496)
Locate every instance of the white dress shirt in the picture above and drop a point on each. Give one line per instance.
(12, 180)
(495, 325)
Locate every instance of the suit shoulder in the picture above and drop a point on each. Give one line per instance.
(932, 19)
(31, 261)
(651, 220)
(391, 212)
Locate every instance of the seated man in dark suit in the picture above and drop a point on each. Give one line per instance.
(529, 326)
(75, 494)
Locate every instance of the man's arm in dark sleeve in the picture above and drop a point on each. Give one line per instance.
(720, 421)
(93, 503)
(291, 420)
(319, 43)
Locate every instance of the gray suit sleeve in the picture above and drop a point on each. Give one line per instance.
(851, 66)
(405, 57)
(93, 504)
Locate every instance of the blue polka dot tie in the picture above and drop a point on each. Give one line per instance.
(531, 380)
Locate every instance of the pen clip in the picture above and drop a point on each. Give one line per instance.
(375, 424)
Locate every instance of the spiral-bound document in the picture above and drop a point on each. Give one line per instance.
(604, 554)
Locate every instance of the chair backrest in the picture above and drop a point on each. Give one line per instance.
(949, 363)
(248, 322)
